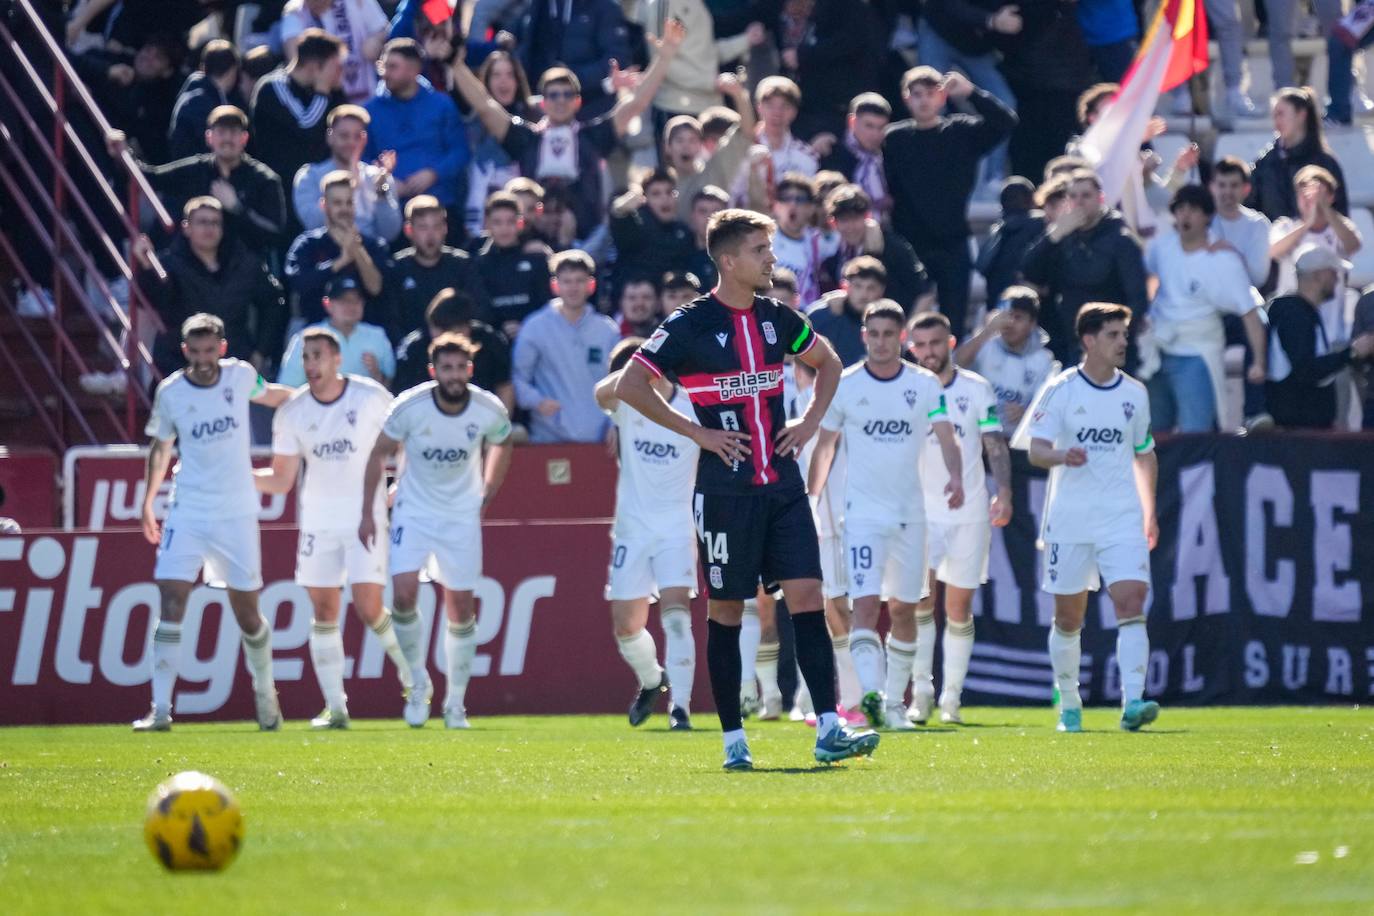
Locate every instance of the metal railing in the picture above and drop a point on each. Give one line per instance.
(57, 213)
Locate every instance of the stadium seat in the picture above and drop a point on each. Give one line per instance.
(1362, 264)
(1245, 144)
(1354, 150)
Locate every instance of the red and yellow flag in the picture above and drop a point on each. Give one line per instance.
(1181, 24)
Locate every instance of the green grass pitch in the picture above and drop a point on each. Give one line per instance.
(1215, 810)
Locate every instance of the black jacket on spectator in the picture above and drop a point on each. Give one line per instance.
(242, 292)
(310, 267)
(838, 58)
(834, 319)
(1299, 348)
(931, 172)
(1100, 264)
(963, 23)
(261, 214)
(490, 367)
(198, 97)
(999, 260)
(140, 109)
(1271, 179)
(413, 286)
(703, 268)
(289, 123)
(906, 275)
(582, 35)
(647, 248)
(516, 282)
(596, 140)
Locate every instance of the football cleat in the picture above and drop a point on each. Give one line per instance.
(1070, 720)
(330, 718)
(748, 699)
(737, 756)
(922, 703)
(643, 705)
(1138, 713)
(949, 710)
(269, 712)
(841, 743)
(416, 712)
(895, 720)
(456, 717)
(771, 708)
(872, 706)
(678, 720)
(157, 720)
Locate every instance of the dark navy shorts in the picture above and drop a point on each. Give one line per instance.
(747, 539)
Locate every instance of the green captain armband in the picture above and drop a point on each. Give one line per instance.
(940, 411)
(1146, 445)
(803, 340)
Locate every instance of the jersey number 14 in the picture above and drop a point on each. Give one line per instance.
(716, 549)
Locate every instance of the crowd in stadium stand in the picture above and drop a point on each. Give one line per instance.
(539, 174)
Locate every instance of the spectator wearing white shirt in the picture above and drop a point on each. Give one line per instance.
(777, 100)
(359, 24)
(1319, 223)
(376, 210)
(798, 245)
(1194, 286)
(366, 348)
(1246, 230)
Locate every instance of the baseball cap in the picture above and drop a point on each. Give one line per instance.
(342, 284)
(1312, 258)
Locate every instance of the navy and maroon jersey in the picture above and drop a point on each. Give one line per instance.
(729, 361)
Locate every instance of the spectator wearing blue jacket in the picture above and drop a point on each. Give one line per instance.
(582, 35)
(421, 124)
(1110, 29)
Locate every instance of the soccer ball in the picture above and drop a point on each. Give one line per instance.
(193, 822)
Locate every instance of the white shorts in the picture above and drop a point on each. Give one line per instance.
(335, 558)
(958, 552)
(454, 545)
(227, 549)
(887, 560)
(641, 567)
(1073, 568)
(834, 576)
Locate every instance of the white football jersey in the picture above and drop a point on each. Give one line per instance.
(658, 469)
(972, 406)
(213, 476)
(1096, 503)
(441, 475)
(827, 509)
(1016, 377)
(335, 440)
(882, 425)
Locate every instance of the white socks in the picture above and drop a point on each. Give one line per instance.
(257, 651)
(850, 694)
(641, 655)
(1132, 657)
(767, 670)
(900, 656)
(867, 653)
(327, 655)
(385, 632)
(166, 662)
(1066, 652)
(460, 645)
(922, 669)
(750, 635)
(410, 636)
(680, 655)
(958, 650)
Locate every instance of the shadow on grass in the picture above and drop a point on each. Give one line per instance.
(799, 771)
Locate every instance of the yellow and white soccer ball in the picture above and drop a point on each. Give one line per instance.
(193, 822)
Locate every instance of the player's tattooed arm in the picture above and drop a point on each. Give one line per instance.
(280, 477)
(636, 389)
(999, 459)
(1043, 454)
(822, 460)
(273, 395)
(494, 469)
(822, 358)
(1146, 477)
(372, 478)
(154, 472)
(954, 461)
